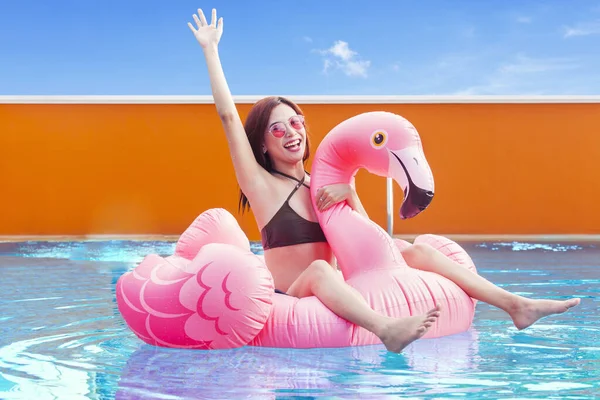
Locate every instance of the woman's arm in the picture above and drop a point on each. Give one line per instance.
(354, 202)
(330, 195)
(248, 171)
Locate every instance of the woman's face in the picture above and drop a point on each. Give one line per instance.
(285, 138)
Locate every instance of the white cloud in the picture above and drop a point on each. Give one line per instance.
(341, 57)
(342, 50)
(524, 20)
(582, 29)
(522, 75)
(307, 39)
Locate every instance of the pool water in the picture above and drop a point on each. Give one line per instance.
(62, 337)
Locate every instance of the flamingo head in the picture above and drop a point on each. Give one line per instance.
(388, 145)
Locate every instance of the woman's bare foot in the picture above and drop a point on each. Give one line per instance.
(400, 332)
(527, 312)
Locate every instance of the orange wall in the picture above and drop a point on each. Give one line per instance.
(73, 169)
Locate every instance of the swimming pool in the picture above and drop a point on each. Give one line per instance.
(61, 337)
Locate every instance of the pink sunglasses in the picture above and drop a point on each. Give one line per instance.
(278, 129)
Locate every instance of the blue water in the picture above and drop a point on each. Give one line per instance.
(61, 337)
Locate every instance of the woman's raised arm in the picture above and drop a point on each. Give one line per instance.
(250, 175)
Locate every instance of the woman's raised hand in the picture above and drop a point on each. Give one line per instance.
(207, 34)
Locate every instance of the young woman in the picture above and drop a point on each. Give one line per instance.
(268, 155)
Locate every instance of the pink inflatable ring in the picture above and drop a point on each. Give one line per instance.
(214, 293)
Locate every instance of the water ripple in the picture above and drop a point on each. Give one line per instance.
(523, 246)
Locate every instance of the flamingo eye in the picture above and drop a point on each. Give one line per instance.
(378, 138)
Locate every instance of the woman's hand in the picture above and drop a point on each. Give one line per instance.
(207, 34)
(329, 195)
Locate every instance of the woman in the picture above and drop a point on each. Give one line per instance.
(268, 155)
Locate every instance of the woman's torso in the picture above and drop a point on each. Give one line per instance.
(286, 263)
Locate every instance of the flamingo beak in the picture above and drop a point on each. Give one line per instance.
(409, 168)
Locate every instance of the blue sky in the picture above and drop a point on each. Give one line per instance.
(307, 47)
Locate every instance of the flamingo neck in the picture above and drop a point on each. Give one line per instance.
(350, 234)
(330, 167)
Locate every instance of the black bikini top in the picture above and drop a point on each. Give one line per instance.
(287, 228)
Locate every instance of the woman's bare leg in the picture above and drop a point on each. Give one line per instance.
(320, 280)
(523, 311)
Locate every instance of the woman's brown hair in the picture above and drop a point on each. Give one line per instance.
(256, 126)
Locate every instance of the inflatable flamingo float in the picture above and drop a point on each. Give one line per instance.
(214, 293)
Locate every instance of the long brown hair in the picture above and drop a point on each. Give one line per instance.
(256, 125)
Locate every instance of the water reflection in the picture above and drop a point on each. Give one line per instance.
(271, 372)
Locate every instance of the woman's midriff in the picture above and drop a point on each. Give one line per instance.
(287, 263)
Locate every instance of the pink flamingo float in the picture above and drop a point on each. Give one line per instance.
(214, 293)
